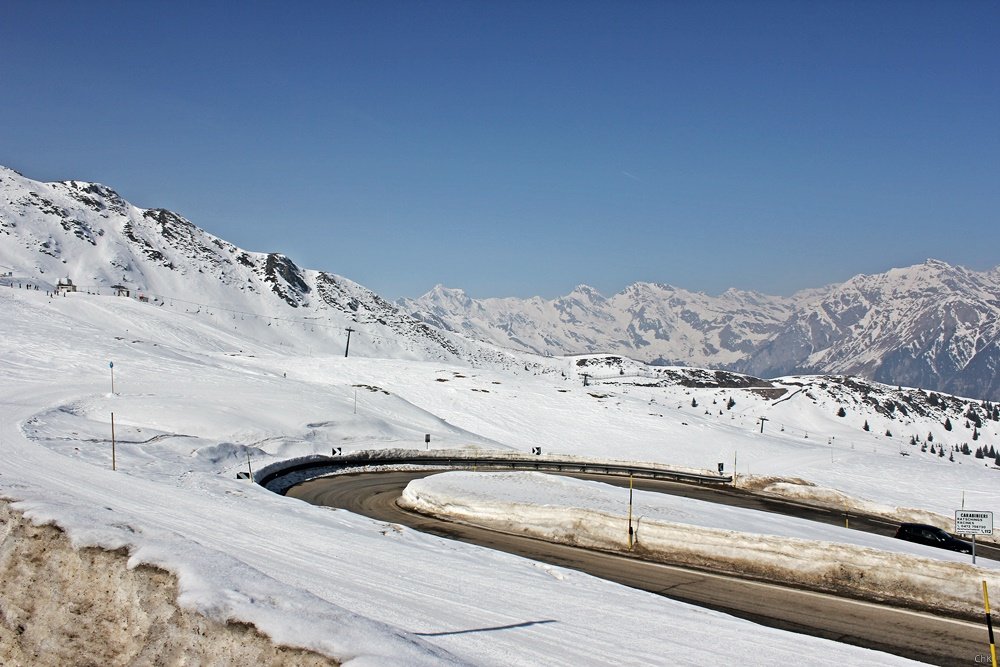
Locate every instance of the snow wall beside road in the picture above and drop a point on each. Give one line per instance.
(62, 606)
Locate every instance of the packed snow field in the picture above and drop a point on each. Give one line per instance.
(193, 401)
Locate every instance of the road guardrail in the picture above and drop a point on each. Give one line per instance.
(279, 477)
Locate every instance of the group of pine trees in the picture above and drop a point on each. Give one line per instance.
(981, 452)
(973, 420)
(988, 453)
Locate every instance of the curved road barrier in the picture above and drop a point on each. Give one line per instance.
(279, 477)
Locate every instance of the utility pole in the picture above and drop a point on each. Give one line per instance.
(348, 348)
(586, 379)
(762, 420)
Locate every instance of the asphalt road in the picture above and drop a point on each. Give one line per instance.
(917, 635)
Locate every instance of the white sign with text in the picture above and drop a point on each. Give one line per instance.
(971, 522)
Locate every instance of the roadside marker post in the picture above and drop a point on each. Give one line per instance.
(989, 624)
(630, 531)
(113, 463)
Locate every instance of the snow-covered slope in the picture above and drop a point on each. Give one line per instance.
(86, 234)
(930, 325)
(191, 410)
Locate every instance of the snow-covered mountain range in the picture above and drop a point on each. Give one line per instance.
(931, 325)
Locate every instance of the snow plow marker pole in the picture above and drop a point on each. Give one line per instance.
(989, 624)
(630, 512)
(113, 466)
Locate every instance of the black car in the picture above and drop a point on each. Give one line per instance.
(933, 536)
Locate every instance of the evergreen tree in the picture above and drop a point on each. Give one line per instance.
(941, 452)
(930, 437)
(841, 412)
(730, 403)
(866, 426)
(923, 447)
(694, 403)
(913, 440)
(951, 457)
(975, 434)
(966, 449)
(933, 451)
(979, 452)
(888, 433)
(947, 424)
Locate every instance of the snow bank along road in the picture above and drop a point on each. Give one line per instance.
(916, 635)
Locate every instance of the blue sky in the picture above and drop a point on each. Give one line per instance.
(522, 148)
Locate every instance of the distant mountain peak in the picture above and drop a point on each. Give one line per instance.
(588, 293)
(441, 290)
